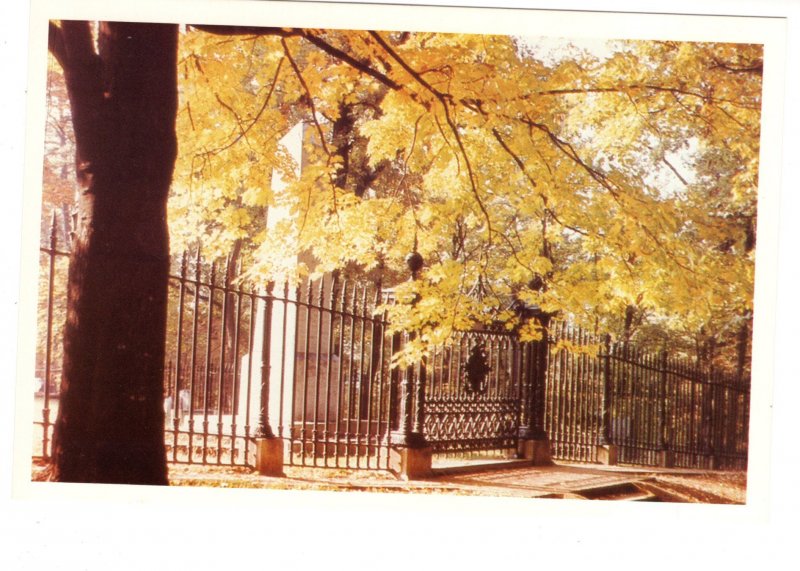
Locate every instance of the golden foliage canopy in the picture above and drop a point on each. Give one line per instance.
(585, 185)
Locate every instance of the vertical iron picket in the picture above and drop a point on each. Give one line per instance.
(350, 375)
(304, 403)
(326, 429)
(248, 387)
(235, 379)
(51, 280)
(295, 374)
(339, 371)
(360, 401)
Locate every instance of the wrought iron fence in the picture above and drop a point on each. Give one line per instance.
(314, 363)
(654, 409)
(51, 311)
(574, 391)
(310, 362)
(334, 383)
(207, 373)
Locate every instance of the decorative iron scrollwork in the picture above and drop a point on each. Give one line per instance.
(475, 371)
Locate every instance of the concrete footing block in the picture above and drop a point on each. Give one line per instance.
(607, 454)
(537, 451)
(666, 459)
(269, 456)
(411, 463)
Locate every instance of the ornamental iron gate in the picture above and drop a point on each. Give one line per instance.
(473, 395)
(312, 366)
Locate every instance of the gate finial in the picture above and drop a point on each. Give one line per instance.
(475, 370)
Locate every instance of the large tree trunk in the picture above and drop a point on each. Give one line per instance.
(123, 95)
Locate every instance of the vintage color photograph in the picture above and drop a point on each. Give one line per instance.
(478, 264)
(468, 260)
(355, 285)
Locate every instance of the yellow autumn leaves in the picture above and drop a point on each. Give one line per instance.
(627, 180)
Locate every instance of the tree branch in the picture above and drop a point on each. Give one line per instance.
(320, 132)
(570, 151)
(244, 130)
(443, 99)
(756, 68)
(224, 30)
(674, 170)
(641, 87)
(411, 71)
(513, 155)
(309, 95)
(350, 60)
(78, 44)
(73, 47)
(310, 37)
(521, 165)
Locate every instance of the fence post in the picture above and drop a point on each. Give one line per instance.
(707, 415)
(395, 396)
(667, 458)
(713, 387)
(522, 370)
(606, 449)
(51, 260)
(410, 455)
(400, 434)
(269, 448)
(533, 442)
(419, 400)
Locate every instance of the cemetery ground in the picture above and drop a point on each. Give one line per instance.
(502, 479)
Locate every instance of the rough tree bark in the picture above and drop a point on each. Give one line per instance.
(122, 87)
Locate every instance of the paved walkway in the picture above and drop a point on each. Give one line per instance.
(492, 479)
